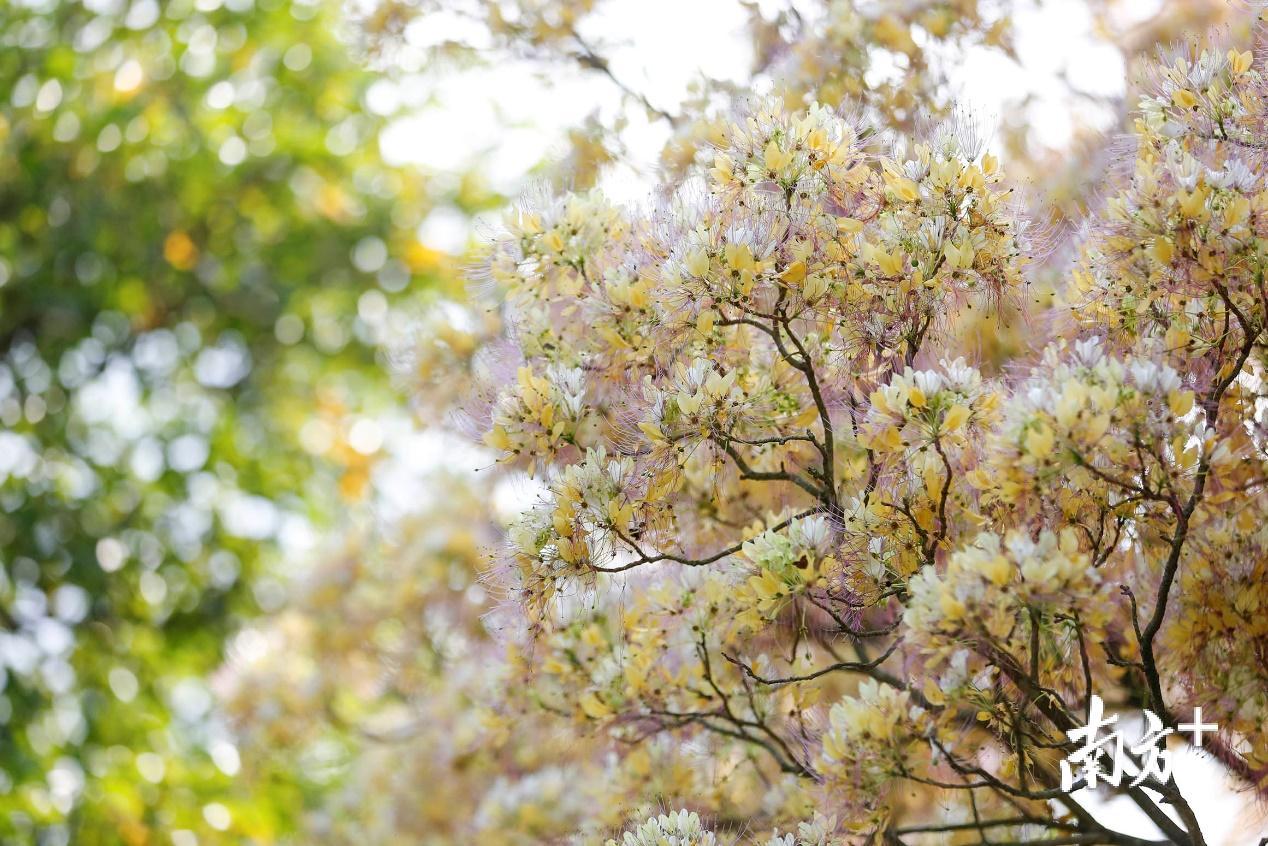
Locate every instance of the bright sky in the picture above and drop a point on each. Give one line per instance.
(511, 117)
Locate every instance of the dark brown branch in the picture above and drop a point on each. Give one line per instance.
(840, 666)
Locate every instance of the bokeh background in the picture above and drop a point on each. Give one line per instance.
(240, 540)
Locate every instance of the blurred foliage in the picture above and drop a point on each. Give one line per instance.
(199, 249)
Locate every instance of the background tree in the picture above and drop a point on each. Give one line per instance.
(199, 245)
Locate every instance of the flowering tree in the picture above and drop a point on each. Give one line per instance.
(782, 510)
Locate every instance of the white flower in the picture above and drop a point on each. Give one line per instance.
(1234, 175)
(677, 828)
(769, 551)
(1088, 352)
(811, 533)
(1184, 168)
(928, 381)
(961, 377)
(1152, 377)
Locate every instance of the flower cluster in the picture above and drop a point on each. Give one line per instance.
(543, 415)
(1180, 253)
(786, 562)
(872, 742)
(917, 406)
(677, 828)
(994, 594)
(836, 56)
(818, 831)
(1086, 417)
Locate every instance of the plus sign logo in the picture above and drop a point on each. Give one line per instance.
(1198, 728)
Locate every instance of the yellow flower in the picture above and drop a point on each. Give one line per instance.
(889, 441)
(903, 188)
(814, 288)
(593, 707)
(794, 273)
(1040, 440)
(740, 257)
(889, 264)
(775, 158)
(723, 169)
(1239, 63)
(697, 263)
(1193, 204)
(997, 569)
(766, 586)
(956, 417)
(952, 608)
(497, 438)
(1184, 98)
